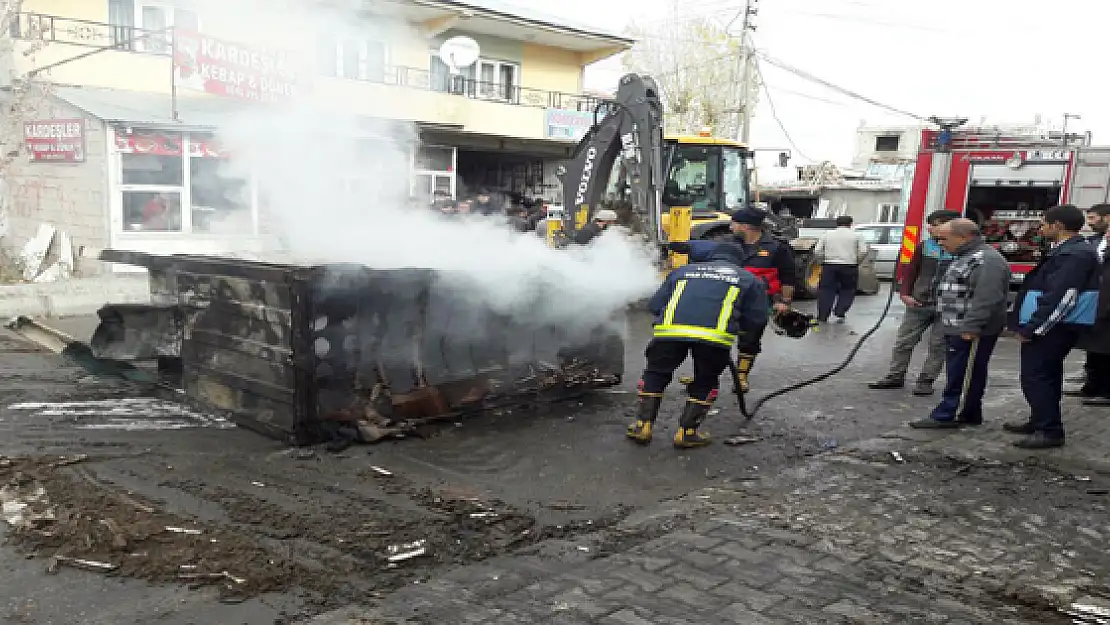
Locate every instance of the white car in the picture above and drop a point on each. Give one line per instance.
(886, 242)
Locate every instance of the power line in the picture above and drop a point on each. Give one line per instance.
(775, 115)
(828, 85)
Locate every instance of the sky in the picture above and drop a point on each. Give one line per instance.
(1008, 61)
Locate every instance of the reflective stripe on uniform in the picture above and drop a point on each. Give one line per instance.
(726, 308)
(669, 329)
(673, 331)
(668, 312)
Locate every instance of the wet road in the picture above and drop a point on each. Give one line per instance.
(564, 467)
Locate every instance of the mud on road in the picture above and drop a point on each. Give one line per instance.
(324, 526)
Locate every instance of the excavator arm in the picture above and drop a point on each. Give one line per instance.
(630, 128)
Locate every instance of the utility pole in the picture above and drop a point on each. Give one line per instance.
(746, 65)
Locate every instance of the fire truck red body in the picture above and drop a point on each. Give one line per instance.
(1004, 182)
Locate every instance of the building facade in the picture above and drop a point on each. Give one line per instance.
(121, 103)
(886, 145)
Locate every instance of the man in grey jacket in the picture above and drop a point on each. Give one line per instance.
(971, 303)
(918, 290)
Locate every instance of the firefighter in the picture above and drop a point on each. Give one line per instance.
(699, 310)
(765, 257)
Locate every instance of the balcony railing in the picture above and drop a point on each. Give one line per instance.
(54, 29)
(74, 32)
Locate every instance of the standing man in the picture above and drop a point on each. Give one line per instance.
(1057, 300)
(841, 251)
(1097, 340)
(772, 261)
(918, 292)
(699, 310)
(971, 303)
(1098, 218)
(601, 222)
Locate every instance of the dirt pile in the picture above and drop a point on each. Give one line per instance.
(54, 512)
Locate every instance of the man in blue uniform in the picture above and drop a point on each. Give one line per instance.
(699, 311)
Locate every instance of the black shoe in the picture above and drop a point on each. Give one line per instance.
(933, 424)
(923, 388)
(1096, 401)
(1039, 441)
(1023, 427)
(839, 318)
(970, 422)
(1084, 391)
(887, 383)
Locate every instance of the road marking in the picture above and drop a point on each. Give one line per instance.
(131, 414)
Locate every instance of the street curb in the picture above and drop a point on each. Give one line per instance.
(81, 296)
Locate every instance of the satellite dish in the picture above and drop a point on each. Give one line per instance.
(459, 53)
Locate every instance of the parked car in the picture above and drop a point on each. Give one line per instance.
(886, 243)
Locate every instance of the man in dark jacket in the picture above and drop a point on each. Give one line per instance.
(918, 292)
(765, 257)
(971, 304)
(1098, 218)
(699, 310)
(600, 223)
(1097, 340)
(771, 260)
(1057, 300)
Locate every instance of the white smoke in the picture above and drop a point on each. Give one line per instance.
(302, 155)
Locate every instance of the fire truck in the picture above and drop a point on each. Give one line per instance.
(1004, 181)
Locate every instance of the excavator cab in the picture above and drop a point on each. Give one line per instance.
(667, 188)
(709, 178)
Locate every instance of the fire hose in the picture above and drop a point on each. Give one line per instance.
(749, 414)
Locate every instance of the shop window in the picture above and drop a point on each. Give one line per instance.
(151, 169)
(219, 201)
(435, 158)
(152, 211)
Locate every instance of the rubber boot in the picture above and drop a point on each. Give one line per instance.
(688, 435)
(646, 411)
(744, 364)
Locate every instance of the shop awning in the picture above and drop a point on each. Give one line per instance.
(146, 109)
(155, 110)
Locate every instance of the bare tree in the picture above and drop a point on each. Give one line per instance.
(20, 97)
(695, 62)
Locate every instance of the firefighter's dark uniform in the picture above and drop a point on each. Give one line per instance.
(699, 310)
(769, 259)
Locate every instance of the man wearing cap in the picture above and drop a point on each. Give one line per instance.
(772, 260)
(602, 220)
(699, 310)
(765, 257)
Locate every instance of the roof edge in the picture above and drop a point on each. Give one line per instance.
(604, 36)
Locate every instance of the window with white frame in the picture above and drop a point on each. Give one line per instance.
(888, 214)
(356, 59)
(158, 193)
(146, 25)
(488, 79)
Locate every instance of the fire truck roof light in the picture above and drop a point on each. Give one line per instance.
(706, 131)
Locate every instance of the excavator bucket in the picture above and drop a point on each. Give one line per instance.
(301, 353)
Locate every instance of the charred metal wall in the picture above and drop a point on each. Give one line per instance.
(281, 347)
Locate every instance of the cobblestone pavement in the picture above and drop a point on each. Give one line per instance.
(922, 527)
(857, 539)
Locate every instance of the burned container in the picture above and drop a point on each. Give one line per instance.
(298, 353)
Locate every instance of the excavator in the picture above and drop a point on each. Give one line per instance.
(667, 188)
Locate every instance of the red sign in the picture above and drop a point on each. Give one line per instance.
(228, 69)
(157, 144)
(55, 140)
